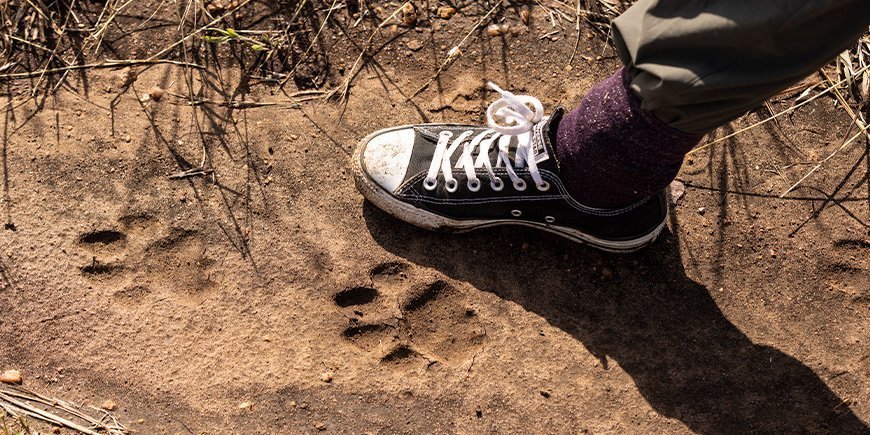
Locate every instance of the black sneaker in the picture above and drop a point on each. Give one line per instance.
(460, 177)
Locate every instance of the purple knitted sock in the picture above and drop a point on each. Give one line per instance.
(612, 153)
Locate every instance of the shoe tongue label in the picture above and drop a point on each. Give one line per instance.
(539, 149)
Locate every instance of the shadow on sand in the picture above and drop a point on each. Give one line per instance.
(687, 360)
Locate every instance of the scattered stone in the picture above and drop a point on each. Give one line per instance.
(109, 405)
(524, 246)
(11, 377)
(606, 273)
(326, 377)
(524, 15)
(156, 93)
(678, 189)
(445, 12)
(546, 394)
(409, 14)
(320, 426)
(493, 30)
(140, 421)
(127, 138)
(517, 31)
(701, 210)
(245, 405)
(414, 45)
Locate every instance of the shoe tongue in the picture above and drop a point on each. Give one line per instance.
(544, 140)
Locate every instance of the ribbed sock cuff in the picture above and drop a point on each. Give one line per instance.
(612, 153)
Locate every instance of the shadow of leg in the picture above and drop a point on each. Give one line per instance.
(687, 360)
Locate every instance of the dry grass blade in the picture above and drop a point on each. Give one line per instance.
(850, 75)
(18, 402)
(775, 116)
(455, 52)
(106, 64)
(345, 88)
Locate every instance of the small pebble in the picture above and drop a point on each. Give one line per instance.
(493, 30)
(701, 210)
(156, 93)
(606, 273)
(109, 405)
(320, 426)
(415, 45)
(11, 377)
(524, 15)
(678, 189)
(245, 405)
(409, 14)
(326, 377)
(445, 12)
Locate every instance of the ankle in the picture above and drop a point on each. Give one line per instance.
(612, 153)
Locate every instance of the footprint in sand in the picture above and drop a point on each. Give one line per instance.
(139, 255)
(410, 318)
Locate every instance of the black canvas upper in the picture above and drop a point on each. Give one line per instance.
(552, 207)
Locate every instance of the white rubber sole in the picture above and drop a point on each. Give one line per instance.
(385, 201)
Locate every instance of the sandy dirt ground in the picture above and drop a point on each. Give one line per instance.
(267, 280)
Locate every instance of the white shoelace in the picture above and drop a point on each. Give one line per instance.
(518, 118)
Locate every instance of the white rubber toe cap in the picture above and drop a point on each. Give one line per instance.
(386, 157)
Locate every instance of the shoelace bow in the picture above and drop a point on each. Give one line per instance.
(518, 118)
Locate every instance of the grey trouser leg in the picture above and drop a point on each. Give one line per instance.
(697, 65)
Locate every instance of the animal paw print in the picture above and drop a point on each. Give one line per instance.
(410, 318)
(139, 255)
(848, 263)
(105, 247)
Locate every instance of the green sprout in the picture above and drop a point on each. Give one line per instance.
(231, 35)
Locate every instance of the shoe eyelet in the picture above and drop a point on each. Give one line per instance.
(544, 186)
(496, 184)
(430, 184)
(520, 185)
(474, 185)
(516, 213)
(451, 185)
(446, 134)
(549, 219)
